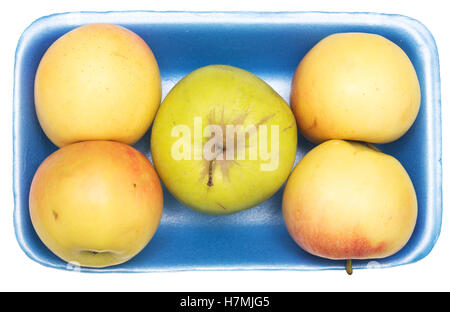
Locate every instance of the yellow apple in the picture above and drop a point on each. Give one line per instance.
(355, 86)
(346, 200)
(97, 82)
(96, 203)
(247, 163)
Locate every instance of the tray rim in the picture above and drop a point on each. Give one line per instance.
(434, 139)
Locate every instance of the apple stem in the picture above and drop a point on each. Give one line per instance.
(210, 173)
(348, 267)
(370, 145)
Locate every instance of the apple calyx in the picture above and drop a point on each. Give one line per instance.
(93, 252)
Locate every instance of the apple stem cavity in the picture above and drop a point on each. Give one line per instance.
(348, 267)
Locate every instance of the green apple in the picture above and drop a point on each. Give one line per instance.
(223, 140)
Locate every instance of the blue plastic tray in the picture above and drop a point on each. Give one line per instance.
(269, 45)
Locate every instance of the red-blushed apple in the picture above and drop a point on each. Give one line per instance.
(96, 203)
(347, 200)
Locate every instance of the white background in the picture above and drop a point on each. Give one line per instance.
(18, 272)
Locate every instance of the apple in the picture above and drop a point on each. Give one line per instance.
(355, 86)
(97, 82)
(223, 140)
(347, 200)
(96, 203)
